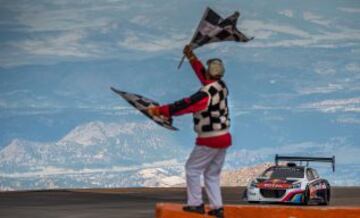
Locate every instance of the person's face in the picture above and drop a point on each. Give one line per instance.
(215, 69)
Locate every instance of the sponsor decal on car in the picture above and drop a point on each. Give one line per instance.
(274, 184)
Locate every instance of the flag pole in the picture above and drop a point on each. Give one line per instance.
(202, 18)
(181, 62)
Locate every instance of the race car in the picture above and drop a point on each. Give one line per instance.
(291, 183)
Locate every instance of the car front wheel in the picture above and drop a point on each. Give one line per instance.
(326, 195)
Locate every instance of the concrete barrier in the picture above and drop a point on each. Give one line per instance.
(168, 210)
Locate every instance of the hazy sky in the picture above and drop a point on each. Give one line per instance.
(296, 84)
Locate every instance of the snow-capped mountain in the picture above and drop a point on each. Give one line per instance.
(98, 132)
(92, 145)
(91, 150)
(134, 154)
(159, 177)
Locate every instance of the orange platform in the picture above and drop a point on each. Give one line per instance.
(168, 210)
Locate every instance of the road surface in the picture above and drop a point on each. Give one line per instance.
(122, 202)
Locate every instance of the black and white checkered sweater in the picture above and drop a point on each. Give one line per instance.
(214, 120)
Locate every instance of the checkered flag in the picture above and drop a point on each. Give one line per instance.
(142, 104)
(213, 28)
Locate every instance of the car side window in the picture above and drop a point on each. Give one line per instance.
(314, 172)
(309, 174)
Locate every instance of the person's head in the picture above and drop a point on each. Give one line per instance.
(215, 69)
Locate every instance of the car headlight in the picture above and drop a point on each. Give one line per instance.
(253, 184)
(296, 185)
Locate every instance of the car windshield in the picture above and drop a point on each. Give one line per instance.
(284, 172)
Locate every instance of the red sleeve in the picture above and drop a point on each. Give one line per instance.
(198, 106)
(199, 70)
(164, 110)
(192, 104)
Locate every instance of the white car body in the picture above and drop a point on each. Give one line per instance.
(298, 190)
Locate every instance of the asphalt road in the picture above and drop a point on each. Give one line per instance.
(124, 203)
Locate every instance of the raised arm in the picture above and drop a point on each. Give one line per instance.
(196, 64)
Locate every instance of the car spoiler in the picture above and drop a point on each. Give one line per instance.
(306, 159)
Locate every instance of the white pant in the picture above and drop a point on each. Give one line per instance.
(207, 161)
